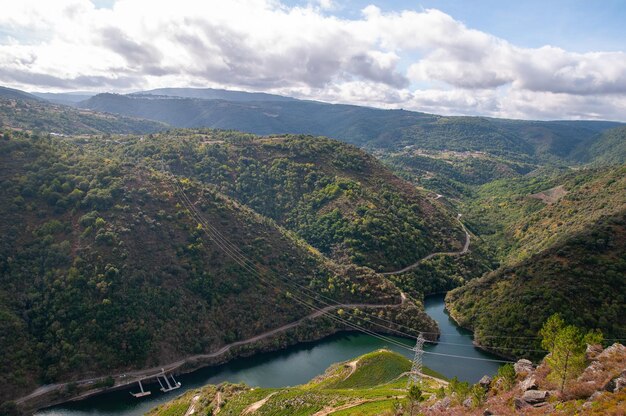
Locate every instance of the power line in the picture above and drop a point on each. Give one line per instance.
(232, 251)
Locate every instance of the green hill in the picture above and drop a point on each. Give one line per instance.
(608, 147)
(339, 199)
(104, 270)
(562, 250)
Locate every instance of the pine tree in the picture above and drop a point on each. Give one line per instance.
(566, 346)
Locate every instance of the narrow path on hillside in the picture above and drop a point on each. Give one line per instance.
(431, 255)
(192, 406)
(257, 405)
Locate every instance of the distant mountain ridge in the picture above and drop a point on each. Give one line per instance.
(215, 94)
(370, 128)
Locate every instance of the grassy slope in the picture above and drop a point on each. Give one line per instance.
(378, 388)
(100, 260)
(373, 387)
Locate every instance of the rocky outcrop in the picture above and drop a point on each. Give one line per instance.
(523, 367)
(485, 382)
(529, 383)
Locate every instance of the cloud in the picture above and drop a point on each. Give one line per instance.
(421, 60)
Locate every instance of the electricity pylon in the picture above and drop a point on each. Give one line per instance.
(415, 376)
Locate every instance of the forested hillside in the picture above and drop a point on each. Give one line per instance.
(561, 241)
(103, 269)
(339, 199)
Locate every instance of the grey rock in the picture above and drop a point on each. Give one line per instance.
(467, 402)
(594, 396)
(616, 348)
(593, 350)
(616, 383)
(485, 382)
(535, 396)
(442, 404)
(523, 367)
(528, 383)
(520, 404)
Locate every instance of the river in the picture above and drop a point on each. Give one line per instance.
(297, 365)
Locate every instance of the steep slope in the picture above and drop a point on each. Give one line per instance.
(608, 147)
(564, 255)
(338, 198)
(20, 110)
(103, 270)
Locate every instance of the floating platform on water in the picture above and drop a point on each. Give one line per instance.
(142, 393)
(165, 384)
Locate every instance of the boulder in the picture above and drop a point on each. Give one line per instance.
(616, 383)
(616, 348)
(520, 404)
(529, 383)
(535, 397)
(593, 351)
(485, 382)
(467, 402)
(440, 405)
(523, 367)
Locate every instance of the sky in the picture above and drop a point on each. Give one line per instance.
(527, 59)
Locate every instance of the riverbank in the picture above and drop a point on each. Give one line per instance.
(476, 343)
(295, 365)
(308, 329)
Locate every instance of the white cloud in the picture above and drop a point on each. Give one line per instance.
(421, 60)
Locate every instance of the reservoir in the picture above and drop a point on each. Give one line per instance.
(299, 364)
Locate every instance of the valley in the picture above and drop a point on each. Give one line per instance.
(132, 246)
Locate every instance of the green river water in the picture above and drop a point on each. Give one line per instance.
(297, 365)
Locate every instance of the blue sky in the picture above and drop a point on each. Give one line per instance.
(575, 25)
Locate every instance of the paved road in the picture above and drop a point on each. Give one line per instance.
(442, 253)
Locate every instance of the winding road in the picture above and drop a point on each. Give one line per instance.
(431, 255)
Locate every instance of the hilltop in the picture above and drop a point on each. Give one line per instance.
(338, 198)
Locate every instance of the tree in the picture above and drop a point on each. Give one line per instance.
(506, 373)
(566, 346)
(550, 330)
(478, 394)
(415, 397)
